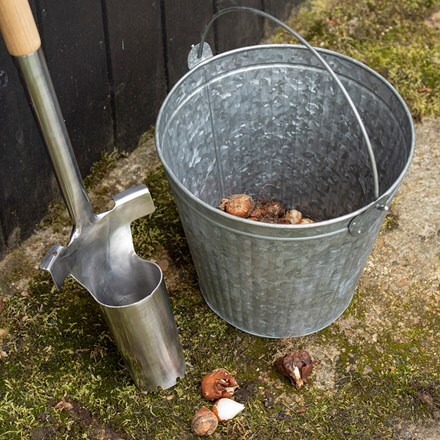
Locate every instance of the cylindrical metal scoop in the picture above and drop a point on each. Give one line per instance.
(100, 255)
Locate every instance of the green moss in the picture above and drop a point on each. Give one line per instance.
(391, 221)
(382, 35)
(58, 216)
(162, 229)
(59, 348)
(18, 267)
(101, 168)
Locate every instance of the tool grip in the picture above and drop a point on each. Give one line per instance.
(18, 27)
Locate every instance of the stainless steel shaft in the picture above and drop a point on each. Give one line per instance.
(47, 110)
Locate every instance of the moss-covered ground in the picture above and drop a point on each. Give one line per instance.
(396, 39)
(61, 375)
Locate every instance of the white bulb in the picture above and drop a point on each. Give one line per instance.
(227, 409)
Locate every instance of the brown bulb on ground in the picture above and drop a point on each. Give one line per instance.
(297, 366)
(219, 383)
(204, 422)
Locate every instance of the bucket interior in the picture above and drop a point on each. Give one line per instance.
(269, 121)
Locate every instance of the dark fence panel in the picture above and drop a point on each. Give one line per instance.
(2, 239)
(138, 80)
(112, 63)
(23, 160)
(184, 26)
(73, 41)
(25, 184)
(238, 29)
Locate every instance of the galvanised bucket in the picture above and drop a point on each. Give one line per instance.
(273, 121)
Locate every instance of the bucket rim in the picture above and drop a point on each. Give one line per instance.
(270, 226)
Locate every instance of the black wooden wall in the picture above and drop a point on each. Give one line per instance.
(112, 63)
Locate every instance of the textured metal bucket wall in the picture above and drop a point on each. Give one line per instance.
(269, 121)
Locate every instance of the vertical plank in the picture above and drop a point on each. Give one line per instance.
(240, 28)
(77, 62)
(183, 27)
(74, 44)
(25, 176)
(134, 36)
(2, 245)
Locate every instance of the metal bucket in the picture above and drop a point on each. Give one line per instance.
(272, 121)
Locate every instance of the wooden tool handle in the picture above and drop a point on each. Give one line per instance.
(18, 27)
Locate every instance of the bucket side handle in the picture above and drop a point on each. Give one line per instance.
(203, 52)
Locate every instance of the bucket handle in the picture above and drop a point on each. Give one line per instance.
(317, 55)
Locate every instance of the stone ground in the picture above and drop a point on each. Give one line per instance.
(399, 287)
(405, 263)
